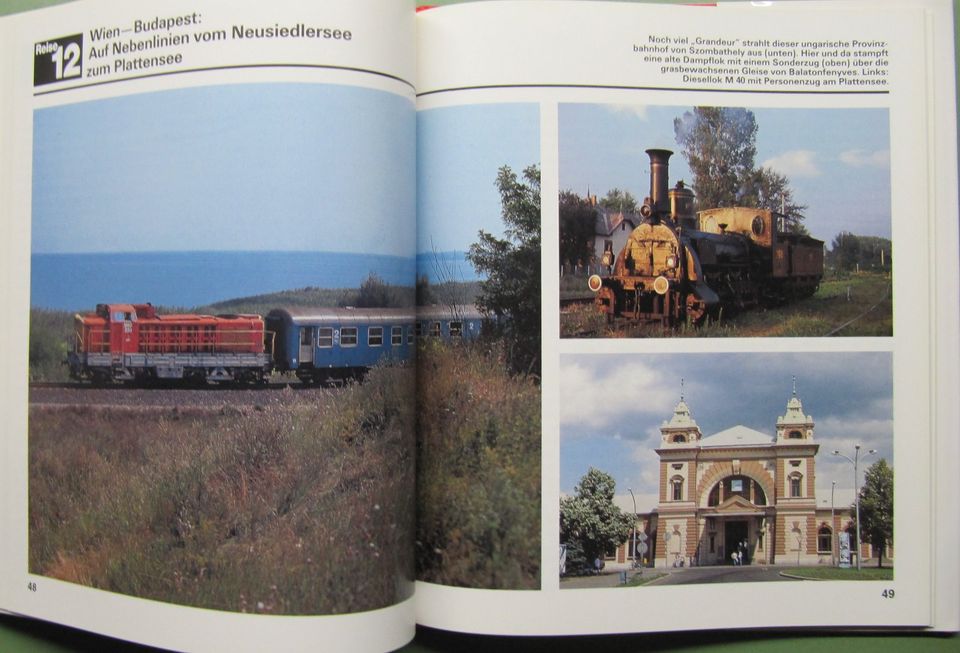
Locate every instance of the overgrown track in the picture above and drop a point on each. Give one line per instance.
(73, 394)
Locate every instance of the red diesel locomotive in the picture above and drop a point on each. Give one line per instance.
(128, 342)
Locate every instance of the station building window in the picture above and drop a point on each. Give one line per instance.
(796, 485)
(676, 488)
(824, 539)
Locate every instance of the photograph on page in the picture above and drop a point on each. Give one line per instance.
(479, 365)
(221, 345)
(724, 221)
(735, 468)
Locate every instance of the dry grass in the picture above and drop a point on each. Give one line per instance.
(303, 505)
(478, 470)
(862, 303)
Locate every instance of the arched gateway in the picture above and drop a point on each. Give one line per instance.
(738, 491)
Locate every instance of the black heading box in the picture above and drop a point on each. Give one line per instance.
(59, 59)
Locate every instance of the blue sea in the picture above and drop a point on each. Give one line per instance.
(441, 267)
(185, 279)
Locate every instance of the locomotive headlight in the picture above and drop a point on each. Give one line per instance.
(594, 282)
(661, 285)
(672, 261)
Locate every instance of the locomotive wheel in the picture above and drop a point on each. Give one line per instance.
(606, 302)
(696, 309)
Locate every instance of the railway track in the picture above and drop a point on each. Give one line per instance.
(74, 394)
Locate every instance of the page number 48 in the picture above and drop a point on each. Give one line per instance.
(32, 586)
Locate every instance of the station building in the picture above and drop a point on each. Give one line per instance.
(738, 490)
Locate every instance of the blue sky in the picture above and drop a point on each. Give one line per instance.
(612, 407)
(460, 150)
(235, 167)
(837, 160)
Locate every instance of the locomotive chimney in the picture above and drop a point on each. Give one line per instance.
(659, 180)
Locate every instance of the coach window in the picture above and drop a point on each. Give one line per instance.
(325, 337)
(456, 329)
(305, 337)
(348, 337)
(410, 332)
(435, 329)
(375, 336)
(396, 336)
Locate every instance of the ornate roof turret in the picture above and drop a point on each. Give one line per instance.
(682, 429)
(794, 425)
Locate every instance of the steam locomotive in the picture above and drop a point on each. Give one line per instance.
(679, 266)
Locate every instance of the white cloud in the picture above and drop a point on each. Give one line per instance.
(864, 158)
(599, 394)
(637, 110)
(795, 163)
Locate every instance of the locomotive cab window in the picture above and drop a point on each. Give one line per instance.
(375, 336)
(348, 337)
(325, 337)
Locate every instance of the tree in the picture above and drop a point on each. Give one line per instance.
(851, 252)
(719, 144)
(876, 507)
(374, 292)
(590, 524)
(768, 189)
(577, 227)
(424, 292)
(619, 200)
(511, 291)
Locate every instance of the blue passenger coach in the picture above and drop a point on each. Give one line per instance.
(332, 344)
(450, 323)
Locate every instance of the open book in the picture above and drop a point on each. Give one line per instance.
(324, 320)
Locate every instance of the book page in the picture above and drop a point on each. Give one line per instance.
(747, 317)
(215, 447)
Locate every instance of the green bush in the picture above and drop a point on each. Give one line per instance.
(478, 470)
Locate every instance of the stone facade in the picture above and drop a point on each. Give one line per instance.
(737, 491)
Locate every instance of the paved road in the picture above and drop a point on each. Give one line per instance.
(685, 576)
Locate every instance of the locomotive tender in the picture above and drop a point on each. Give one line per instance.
(679, 266)
(132, 342)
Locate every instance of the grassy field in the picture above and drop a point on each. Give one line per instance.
(478, 470)
(301, 505)
(835, 573)
(859, 305)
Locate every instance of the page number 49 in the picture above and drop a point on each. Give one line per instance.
(888, 593)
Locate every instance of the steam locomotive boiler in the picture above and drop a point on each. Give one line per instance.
(680, 266)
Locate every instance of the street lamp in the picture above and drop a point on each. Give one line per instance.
(833, 529)
(633, 563)
(856, 487)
